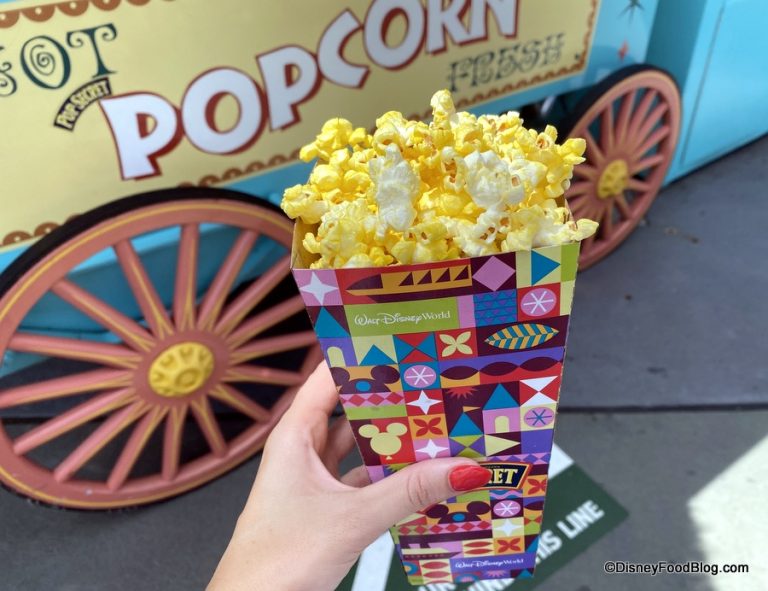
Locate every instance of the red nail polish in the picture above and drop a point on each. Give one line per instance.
(469, 477)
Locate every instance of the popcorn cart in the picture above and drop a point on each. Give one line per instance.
(150, 333)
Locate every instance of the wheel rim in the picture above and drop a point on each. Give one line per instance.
(631, 133)
(162, 374)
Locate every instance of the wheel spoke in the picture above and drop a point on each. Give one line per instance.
(133, 448)
(89, 381)
(185, 290)
(98, 310)
(72, 419)
(206, 420)
(272, 345)
(623, 206)
(219, 288)
(587, 208)
(650, 123)
(638, 185)
(658, 135)
(144, 291)
(263, 375)
(606, 220)
(582, 206)
(594, 151)
(172, 440)
(96, 441)
(240, 402)
(264, 320)
(639, 115)
(251, 297)
(622, 121)
(66, 348)
(607, 129)
(579, 188)
(649, 162)
(587, 244)
(586, 171)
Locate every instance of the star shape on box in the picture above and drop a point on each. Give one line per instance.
(318, 289)
(424, 402)
(432, 449)
(507, 527)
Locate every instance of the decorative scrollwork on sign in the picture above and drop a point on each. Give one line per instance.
(45, 62)
(7, 82)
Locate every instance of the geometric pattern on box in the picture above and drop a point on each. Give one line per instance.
(498, 307)
(459, 358)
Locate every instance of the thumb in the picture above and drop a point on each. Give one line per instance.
(418, 486)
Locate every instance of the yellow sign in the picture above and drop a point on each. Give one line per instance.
(104, 98)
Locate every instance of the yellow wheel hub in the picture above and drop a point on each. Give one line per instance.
(181, 369)
(614, 179)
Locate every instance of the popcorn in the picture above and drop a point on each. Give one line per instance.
(489, 181)
(413, 192)
(395, 187)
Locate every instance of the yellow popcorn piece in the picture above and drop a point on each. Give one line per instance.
(412, 192)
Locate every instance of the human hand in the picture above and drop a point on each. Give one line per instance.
(303, 527)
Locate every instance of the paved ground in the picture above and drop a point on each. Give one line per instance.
(676, 317)
(680, 307)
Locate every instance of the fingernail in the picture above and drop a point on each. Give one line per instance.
(469, 477)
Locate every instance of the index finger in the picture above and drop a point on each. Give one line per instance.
(317, 395)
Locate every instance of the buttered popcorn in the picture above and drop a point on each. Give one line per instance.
(413, 192)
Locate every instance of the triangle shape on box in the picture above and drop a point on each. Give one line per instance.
(465, 426)
(415, 356)
(463, 273)
(427, 347)
(534, 544)
(500, 398)
(371, 282)
(539, 384)
(538, 399)
(494, 446)
(466, 440)
(327, 326)
(529, 388)
(478, 446)
(376, 356)
(541, 266)
(413, 350)
(408, 280)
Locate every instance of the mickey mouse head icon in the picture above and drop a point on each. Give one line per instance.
(380, 378)
(384, 443)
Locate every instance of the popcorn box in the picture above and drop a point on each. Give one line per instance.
(455, 358)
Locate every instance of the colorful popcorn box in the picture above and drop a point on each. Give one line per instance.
(455, 358)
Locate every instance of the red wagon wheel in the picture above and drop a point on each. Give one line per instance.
(631, 121)
(136, 395)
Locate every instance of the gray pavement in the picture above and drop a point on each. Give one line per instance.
(676, 317)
